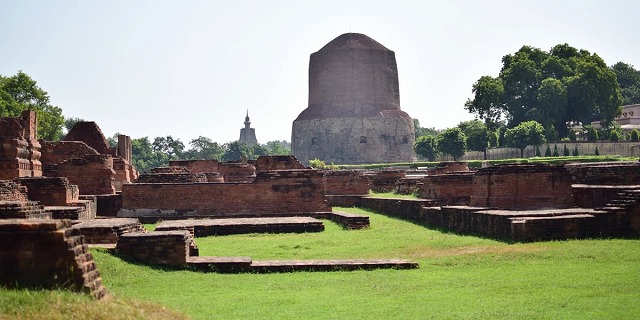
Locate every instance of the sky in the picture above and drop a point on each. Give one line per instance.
(195, 68)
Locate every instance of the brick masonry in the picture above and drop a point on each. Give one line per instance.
(529, 186)
(47, 254)
(159, 247)
(273, 193)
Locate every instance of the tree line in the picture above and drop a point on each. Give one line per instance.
(540, 97)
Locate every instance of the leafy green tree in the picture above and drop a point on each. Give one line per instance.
(529, 133)
(278, 147)
(203, 148)
(173, 148)
(614, 135)
(629, 81)
(635, 135)
(257, 151)
(420, 131)
(237, 151)
(452, 142)
(425, 146)
(143, 156)
(551, 133)
(19, 93)
(592, 133)
(555, 87)
(477, 135)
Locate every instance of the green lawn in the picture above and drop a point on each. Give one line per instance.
(460, 277)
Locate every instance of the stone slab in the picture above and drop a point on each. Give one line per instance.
(208, 227)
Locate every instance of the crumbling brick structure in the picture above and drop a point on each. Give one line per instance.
(452, 188)
(15, 204)
(19, 147)
(159, 247)
(272, 193)
(93, 174)
(523, 186)
(59, 196)
(386, 180)
(47, 254)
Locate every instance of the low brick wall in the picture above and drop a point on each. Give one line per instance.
(452, 188)
(606, 173)
(93, 174)
(407, 209)
(528, 186)
(108, 205)
(47, 254)
(107, 231)
(346, 182)
(597, 196)
(160, 247)
(273, 193)
(385, 180)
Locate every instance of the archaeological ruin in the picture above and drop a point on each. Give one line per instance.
(59, 198)
(354, 114)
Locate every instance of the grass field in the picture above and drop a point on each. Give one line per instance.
(460, 277)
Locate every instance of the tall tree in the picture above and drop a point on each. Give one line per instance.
(553, 88)
(237, 151)
(629, 80)
(425, 146)
(173, 148)
(203, 148)
(420, 131)
(477, 135)
(19, 93)
(528, 133)
(278, 147)
(452, 142)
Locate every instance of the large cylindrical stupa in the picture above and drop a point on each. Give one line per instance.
(354, 114)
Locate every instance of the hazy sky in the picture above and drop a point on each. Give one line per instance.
(191, 68)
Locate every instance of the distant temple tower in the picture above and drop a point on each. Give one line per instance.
(248, 134)
(354, 112)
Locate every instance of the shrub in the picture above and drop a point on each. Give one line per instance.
(547, 152)
(597, 152)
(635, 135)
(555, 151)
(614, 135)
(575, 151)
(565, 151)
(538, 154)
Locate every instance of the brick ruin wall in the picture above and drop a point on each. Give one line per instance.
(451, 166)
(284, 192)
(346, 182)
(172, 178)
(13, 191)
(452, 188)
(610, 173)
(59, 151)
(92, 174)
(385, 180)
(47, 254)
(196, 166)
(159, 247)
(522, 187)
(270, 163)
(89, 133)
(237, 171)
(19, 148)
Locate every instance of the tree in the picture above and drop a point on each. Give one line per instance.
(425, 146)
(555, 151)
(565, 151)
(575, 151)
(629, 81)
(547, 152)
(635, 135)
(420, 131)
(592, 133)
(278, 147)
(143, 156)
(553, 88)
(237, 151)
(19, 93)
(452, 142)
(173, 148)
(477, 135)
(529, 133)
(203, 148)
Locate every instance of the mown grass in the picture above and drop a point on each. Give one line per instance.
(460, 277)
(61, 304)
